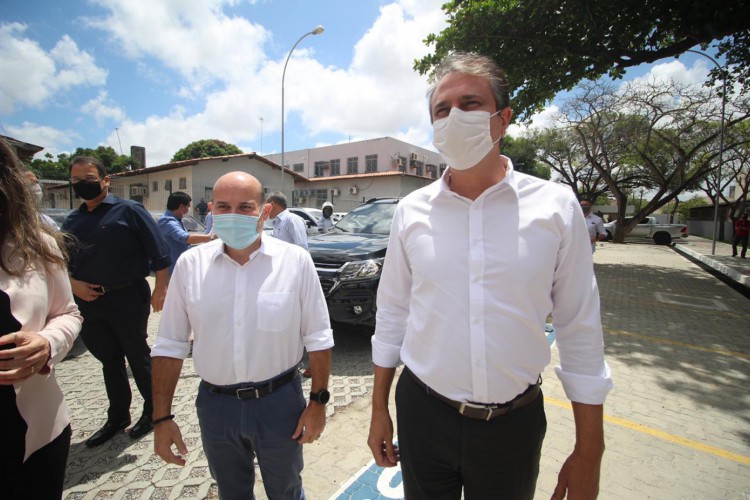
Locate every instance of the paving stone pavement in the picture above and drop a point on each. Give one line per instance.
(677, 423)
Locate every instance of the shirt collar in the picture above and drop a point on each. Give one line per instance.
(511, 179)
(268, 246)
(110, 199)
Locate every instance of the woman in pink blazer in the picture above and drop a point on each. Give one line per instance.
(38, 323)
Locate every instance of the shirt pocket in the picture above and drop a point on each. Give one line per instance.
(275, 311)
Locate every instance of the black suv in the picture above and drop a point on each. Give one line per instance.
(349, 260)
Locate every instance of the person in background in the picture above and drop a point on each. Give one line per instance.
(594, 224)
(36, 190)
(170, 225)
(287, 226)
(38, 323)
(325, 223)
(476, 262)
(118, 246)
(741, 232)
(254, 304)
(209, 218)
(202, 209)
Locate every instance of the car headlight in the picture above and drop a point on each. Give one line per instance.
(361, 269)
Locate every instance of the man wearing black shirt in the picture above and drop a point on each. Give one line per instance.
(118, 245)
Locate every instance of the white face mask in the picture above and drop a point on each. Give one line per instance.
(463, 137)
(37, 190)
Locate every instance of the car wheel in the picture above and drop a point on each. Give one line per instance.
(609, 236)
(662, 238)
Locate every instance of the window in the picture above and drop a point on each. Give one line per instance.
(155, 186)
(335, 167)
(352, 165)
(319, 166)
(168, 185)
(298, 167)
(371, 163)
(418, 169)
(183, 182)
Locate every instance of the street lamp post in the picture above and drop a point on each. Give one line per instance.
(317, 31)
(721, 147)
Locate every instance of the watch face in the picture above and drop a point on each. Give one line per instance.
(321, 397)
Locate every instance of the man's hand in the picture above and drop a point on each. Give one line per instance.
(29, 356)
(166, 434)
(85, 290)
(380, 440)
(579, 477)
(311, 423)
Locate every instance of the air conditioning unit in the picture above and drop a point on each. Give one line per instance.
(335, 192)
(353, 190)
(399, 162)
(414, 157)
(430, 168)
(138, 191)
(443, 166)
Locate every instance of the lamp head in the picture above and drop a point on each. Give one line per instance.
(317, 31)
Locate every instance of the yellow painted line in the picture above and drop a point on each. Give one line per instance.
(678, 343)
(688, 443)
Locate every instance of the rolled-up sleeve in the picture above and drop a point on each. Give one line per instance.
(394, 291)
(173, 337)
(584, 374)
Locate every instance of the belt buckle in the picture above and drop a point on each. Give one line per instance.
(245, 390)
(474, 406)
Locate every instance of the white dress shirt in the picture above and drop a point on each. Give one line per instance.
(595, 225)
(467, 287)
(291, 228)
(250, 322)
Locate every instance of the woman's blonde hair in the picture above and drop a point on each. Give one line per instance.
(24, 238)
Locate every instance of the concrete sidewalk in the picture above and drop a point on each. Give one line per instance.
(677, 423)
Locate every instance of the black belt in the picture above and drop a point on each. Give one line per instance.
(480, 411)
(114, 288)
(253, 391)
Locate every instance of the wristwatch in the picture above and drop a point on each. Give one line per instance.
(321, 397)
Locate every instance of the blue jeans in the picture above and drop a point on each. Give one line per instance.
(234, 431)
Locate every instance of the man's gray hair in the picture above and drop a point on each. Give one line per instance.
(471, 63)
(277, 197)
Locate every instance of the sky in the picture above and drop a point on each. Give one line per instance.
(163, 73)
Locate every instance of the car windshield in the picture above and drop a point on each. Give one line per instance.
(372, 218)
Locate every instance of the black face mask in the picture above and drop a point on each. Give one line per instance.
(87, 190)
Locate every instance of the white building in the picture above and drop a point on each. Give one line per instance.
(374, 168)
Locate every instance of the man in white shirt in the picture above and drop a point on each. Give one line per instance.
(476, 262)
(253, 305)
(594, 224)
(287, 226)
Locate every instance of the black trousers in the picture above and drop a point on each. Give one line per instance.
(43, 474)
(443, 452)
(739, 240)
(114, 329)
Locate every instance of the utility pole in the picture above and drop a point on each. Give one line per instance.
(261, 135)
(118, 140)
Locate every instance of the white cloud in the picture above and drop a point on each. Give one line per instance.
(547, 118)
(379, 93)
(53, 140)
(194, 38)
(41, 75)
(101, 110)
(676, 71)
